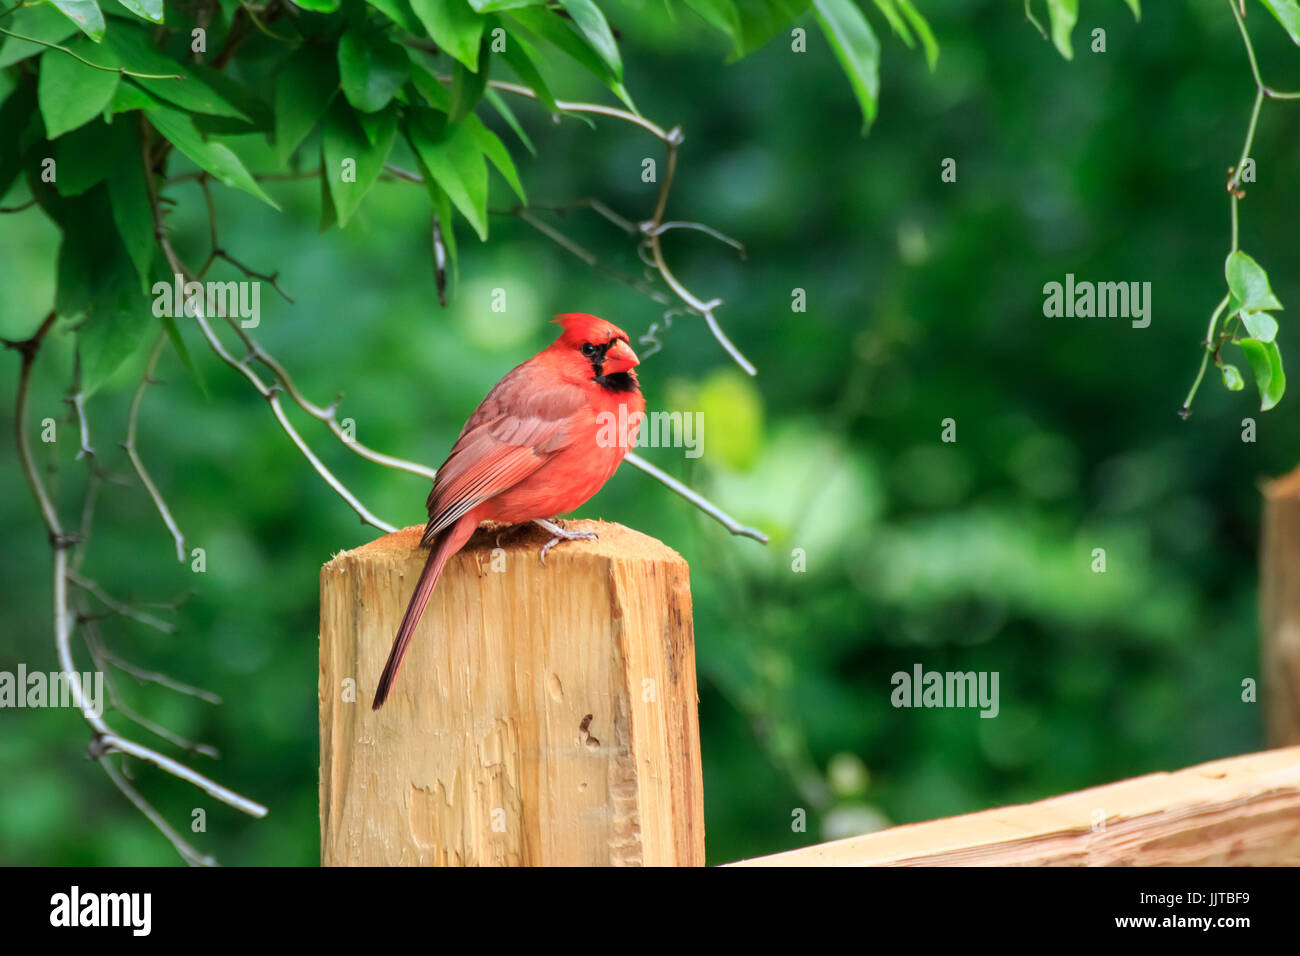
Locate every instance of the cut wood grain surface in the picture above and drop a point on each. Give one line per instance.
(545, 714)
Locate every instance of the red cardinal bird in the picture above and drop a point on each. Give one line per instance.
(545, 439)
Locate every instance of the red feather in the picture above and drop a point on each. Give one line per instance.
(544, 440)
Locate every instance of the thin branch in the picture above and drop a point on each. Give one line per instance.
(654, 227)
(95, 645)
(1254, 65)
(1235, 195)
(118, 607)
(134, 455)
(105, 739)
(156, 677)
(568, 107)
(695, 498)
(78, 402)
(188, 853)
(700, 227)
(270, 393)
(107, 69)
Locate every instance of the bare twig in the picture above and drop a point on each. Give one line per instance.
(105, 740)
(268, 392)
(654, 227)
(188, 853)
(119, 607)
(134, 454)
(695, 498)
(155, 677)
(95, 645)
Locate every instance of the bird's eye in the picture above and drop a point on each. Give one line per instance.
(588, 349)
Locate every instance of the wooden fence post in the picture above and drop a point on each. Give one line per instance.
(1279, 610)
(545, 715)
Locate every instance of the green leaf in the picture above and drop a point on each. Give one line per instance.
(523, 58)
(132, 213)
(1232, 378)
(178, 343)
(303, 91)
(118, 325)
(442, 211)
(216, 158)
(922, 28)
(507, 114)
(329, 216)
(1288, 14)
(489, 6)
(131, 97)
(41, 22)
(79, 157)
(1063, 14)
(1249, 283)
(721, 15)
(434, 92)
(96, 278)
(467, 86)
(454, 160)
(1266, 365)
(592, 25)
(857, 49)
(1261, 326)
(377, 126)
(889, 10)
(555, 31)
(85, 14)
(257, 115)
(372, 68)
(145, 9)
(454, 26)
(71, 93)
(193, 93)
(318, 6)
(350, 162)
(18, 112)
(491, 146)
(400, 12)
(761, 20)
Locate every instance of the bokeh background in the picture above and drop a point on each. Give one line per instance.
(924, 302)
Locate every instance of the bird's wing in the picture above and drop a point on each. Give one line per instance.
(516, 430)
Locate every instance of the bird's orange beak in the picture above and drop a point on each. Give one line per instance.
(619, 358)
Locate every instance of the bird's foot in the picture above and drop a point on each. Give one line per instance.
(557, 528)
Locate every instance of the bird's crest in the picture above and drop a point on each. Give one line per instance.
(580, 327)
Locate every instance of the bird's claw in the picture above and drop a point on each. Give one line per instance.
(562, 534)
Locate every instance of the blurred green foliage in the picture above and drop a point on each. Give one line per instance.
(924, 303)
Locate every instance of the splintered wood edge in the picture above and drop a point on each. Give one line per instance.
(616, 541)
(1157, 799)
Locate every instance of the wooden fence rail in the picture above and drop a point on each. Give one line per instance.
(1243, 811)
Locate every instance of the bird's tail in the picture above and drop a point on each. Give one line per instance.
(444, 546)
